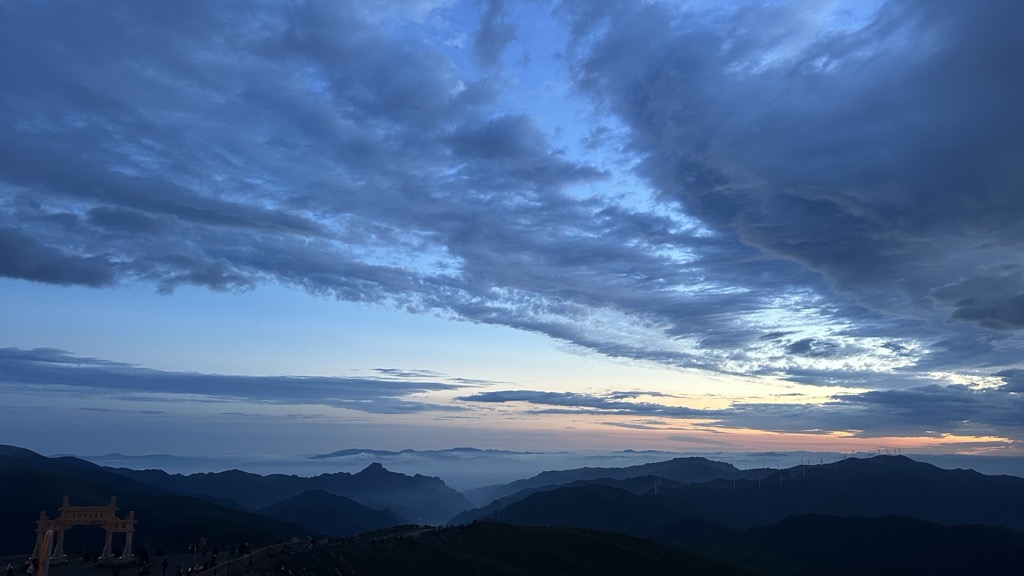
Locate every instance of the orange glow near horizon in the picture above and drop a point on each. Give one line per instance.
(695, 435)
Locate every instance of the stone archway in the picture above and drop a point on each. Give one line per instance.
(105, 516)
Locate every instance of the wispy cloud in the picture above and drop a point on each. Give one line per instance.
(612, 402)
(930, 410)
(62, 373)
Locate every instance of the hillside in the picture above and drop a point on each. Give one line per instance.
(879, 515)
(33, 483)
(637, 486)
(686, 470)
(331, 515)
(799, 546)
(502, 550)
(421, 499)
(878, 486)
(889, 546)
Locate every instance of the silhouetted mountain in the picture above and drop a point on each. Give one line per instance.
(638, 485)
(587, 506)
(251, 491)
(879, 486)
(799, 545)
(10, 454)
(421, 499)
(14, 457)
(431, 453)
(678, 469)
(328, 514)
(33, 483)
(355, 452)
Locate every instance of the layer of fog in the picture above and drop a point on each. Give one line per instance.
(464, 469)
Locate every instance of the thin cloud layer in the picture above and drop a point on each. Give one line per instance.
(829, 201)
(60, 372)
(924, 411)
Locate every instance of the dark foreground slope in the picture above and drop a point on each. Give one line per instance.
(831, 546)
(32, 483)
(802, 546)
(498, 549)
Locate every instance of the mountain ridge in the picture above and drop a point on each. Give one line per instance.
(877, 486)
(166, 519)
(682, 469)
(374, 452)
(326, 513)
(419, 498)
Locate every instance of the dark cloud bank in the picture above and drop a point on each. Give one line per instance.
(839, 206)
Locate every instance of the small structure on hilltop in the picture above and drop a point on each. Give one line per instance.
(105, 516)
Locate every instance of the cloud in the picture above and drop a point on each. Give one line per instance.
(812, 347)
(928, 410)
(60, 372)
(633, 425)
(24, 257)
(407, 374)
(494, 34)
(994, 301)
(1014, 380)
(614, 402)
(836, 217)
(828, 204)
(123, 221)
(879, 156)
(700, 440)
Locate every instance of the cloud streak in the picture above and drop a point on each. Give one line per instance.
(62, 373)
(930, 410)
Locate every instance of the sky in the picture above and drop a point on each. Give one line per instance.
(262, 227)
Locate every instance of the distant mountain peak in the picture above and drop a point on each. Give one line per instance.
(457, 450)
(356, 452)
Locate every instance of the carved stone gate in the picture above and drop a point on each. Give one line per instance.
(105, 516)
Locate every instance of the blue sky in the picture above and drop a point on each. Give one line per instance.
(257, 226)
